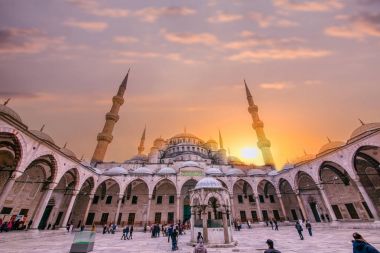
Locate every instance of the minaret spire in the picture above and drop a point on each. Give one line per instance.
(263, 143)
(141, 147)
(220, 140)
(105, 137)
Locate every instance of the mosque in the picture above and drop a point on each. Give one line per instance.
(50, 186)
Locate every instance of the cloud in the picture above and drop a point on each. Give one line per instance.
(309, 6)
(265, 21)
(27, 41)
(93, 7)
(259, 41)
(223, 17)
(126, 57)
(358, 27)
(278, 54)
(190, 38)
(151, 14)
(125, 39)
(85, 25)
(246, 34)
(275, 86)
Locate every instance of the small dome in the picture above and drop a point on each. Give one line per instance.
(234, 160)
(304, 158)
(68, 152)
(166, 171)
(273, 173)
(159, 142)
(43, 136)
(115, 171)
(255, 172)
(185, 135)
(363, 129)
(235, 172)
(9, 112)
(208, 183)
(214, 172)
(288, 166)
(189, 164)
(143, 171)
(330, 146)
(141, 157)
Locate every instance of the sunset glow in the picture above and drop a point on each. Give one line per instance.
(249, 154)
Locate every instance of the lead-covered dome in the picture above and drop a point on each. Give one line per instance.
(255, 172)
(235, 172)
(143, 171)
(115, 171)
(214, 172)
(330, 146)
(208, 183)
(43, 136)
(68, 152)
(9, 112)
(166, 171)
(364, 129)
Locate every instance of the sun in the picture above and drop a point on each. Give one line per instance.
(249, 153)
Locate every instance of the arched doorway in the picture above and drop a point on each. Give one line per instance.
(164, 200)
(135, 208)
(269, 202)
(79, 213)
(244, 202)
(185, 199)
(289, 198)
(367, 166)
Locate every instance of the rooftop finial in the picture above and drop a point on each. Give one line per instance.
(220, 140)
(81, 158)
(304, 151)
(361, 122)
(329, 140)
(7, 101)
(42, 128)
(64, 146)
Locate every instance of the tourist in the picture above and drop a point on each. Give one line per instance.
(130, 232)
(308, 226)
(271, 223)
(271, 248)
(248, 224)
(170, 231)
(328, 217)
(105, 229)
(360, 245)
(266, 222)
(68, 227)
(200, 248)
(199, 237)
(299, 229)
(124, 235)
(174, 237)
(275, 224)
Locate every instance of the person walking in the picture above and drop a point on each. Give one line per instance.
(170, 231)
(199, 237)
(299, 229)
(308, 226)
(123, 237)
(105, 229)
(275, 225)
(130, 232)
(174, 237)
(271, 223)
(271, 248)
(360, 245)
(200, 248)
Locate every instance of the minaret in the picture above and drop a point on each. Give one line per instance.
(220, 141)
(263, 143)
(141, 147)
(105, 137)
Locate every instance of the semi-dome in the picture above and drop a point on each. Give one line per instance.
(330, 146)
(143, 171)
(9, 112)
(235, 172)
(189, 164)
(273, 173)
(68, 152)
(208, 183)
(255, 172)
(288, 166)
(185, 135)
(115, 171)
(43, 136)
(166, 171)
(214, 172)
(363, 129)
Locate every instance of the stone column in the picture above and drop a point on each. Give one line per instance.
(204, 225)
(44, 201)
(225, 228)
(327, 203)
(69, 209)
(232, 208)
(148, 210)
(178, 207)
(6, 190)
(192, 222)
(119, 200)
(368, 200)
(300, 203)
(258, 209)
(91, 197)
(282, 206)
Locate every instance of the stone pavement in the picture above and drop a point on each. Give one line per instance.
(324, 240)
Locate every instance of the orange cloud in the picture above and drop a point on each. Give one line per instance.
(125, 39)
(278, 54)
(265, 21)
(191, 38)
(93, 7)
(223, 17)
(275, 86)
(151, 14)
(309, 6)
(88, 26)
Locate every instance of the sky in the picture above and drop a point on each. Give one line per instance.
(312, 67)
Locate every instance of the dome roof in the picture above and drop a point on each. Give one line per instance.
(141, 157)
(43, 136)
(8, 111)
(214, 172)
(68, 152)
(331, 145)
(159, 142)
(235, 172)
(212, 141)
(189, 164)
(364, 128)
(288, 166)
(143, 171)
(304, 158)
(208, 183)
(273, 173)
(254, 172)
(115, 171)
(166, 171)
(185, 135)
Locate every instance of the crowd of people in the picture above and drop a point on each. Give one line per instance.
(14, 223)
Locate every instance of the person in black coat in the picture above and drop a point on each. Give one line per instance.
(360, 245)
(299, 230)
(308, 226)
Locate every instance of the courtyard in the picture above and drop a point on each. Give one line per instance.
(324, 240)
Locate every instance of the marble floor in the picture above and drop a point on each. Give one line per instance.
(324, 240)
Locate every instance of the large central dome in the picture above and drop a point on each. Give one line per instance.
(209, 183)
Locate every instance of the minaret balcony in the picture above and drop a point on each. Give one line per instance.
(104, 137)
(253, 109)
(118, 100)
(112, 116)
